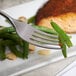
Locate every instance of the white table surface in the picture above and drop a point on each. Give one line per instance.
(51, 69)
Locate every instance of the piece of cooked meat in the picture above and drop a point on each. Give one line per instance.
(63, 12)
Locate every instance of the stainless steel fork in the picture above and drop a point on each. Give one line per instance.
(33, 35)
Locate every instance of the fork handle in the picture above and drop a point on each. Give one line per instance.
(7, 17)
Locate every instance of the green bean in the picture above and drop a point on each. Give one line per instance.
(63, 47)
(9, 33)
(15, 51)
(22, 54)
(2, 50)
(7, 30)
(9, 36)
(45, 29)
(15, 38)
(25, 49)
(13, 48)
(63, 35)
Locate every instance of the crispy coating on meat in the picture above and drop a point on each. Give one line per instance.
(63, 12)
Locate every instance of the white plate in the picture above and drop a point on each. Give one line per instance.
(69, 70)
(34, 61)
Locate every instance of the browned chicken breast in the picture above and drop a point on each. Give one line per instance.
(63, 12)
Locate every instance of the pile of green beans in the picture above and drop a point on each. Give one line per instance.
(9, 38)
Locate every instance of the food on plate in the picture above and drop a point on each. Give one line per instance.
(17, 46)
(23, 19)
(64, 39)
(20, 48)
(62, 12)
(2, 51)
(11, 56)
(44, 52)
(9, 38)
(31, 48)
(62, 34)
